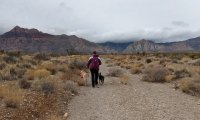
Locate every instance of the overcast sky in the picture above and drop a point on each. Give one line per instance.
(106, 20)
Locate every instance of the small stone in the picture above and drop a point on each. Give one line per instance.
(66, 115)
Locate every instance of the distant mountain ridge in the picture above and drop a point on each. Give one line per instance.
(33, 40)
(116, 46)
(150, 46)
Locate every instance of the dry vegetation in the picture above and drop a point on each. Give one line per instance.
(38, 86)
(180, 69)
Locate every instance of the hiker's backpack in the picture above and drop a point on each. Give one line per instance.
(94, 63)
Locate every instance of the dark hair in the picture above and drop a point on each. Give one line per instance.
(94, 52)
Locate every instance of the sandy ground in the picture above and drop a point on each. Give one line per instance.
(136, 101)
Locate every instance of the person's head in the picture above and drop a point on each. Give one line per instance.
(94, 52)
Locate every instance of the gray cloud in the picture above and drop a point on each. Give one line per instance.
(180, 23)
(103, 20)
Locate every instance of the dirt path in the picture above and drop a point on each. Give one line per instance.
(136, 101)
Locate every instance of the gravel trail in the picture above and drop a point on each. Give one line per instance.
(136, 101)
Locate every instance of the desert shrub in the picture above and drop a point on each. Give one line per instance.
(138, 65)
(117, 64)
(29, 74)
(2, 51)
(109, 65)
(174, 61)
(128, 67)
(20, 72)
(41, 56)
(8, 74)
(162, 61)
(135, 70)
(49, 66)
(10, 59)
(11, 104)
(169, 78)
(62, 68)
(48, 88)
(24, 84)
(26, 65)
(113, 72)
(14, 53)
(5, 77)
(54, 55)
(139, 58)
(77, 65)
(41, 73)
(191, 86)
(197, 63)
(176, 56)
(194, 55)
(11, 95)
(71, 86)
(13, 72)
(124, 79)
(148, 60)
(155, 74)
(33, 62)
(2, 66)
(182, 73)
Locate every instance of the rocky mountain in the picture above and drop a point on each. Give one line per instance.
(33, 40)
(116, 46)
(150, 46)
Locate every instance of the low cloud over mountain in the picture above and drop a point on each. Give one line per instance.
(105, 20)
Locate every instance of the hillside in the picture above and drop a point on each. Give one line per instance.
(116, 46)
(33, 40)
(150, 46)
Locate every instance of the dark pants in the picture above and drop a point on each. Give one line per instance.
(94, 77)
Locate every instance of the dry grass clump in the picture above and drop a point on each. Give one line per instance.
(124, 79)
(128, 67)
(41, 73)
(114, 72)
(169, 78)
(24, 84)
(49, 66)
(135, 70)
(196, 63)
(29, 74)
(2, 66)
(155, 74)
(71, 74)
(78, 65)
(24, 65)
(148, 60)
(117, 64)
(191, 86)
(10, 59)
(138, 65)
(41, 56)
(47, 95)
(8, 74)
(36, 73)
(47, 88)
(182, 73)
(11, 96)
(71, 86)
